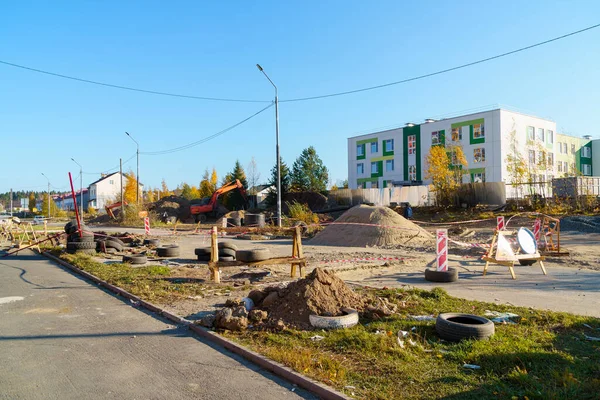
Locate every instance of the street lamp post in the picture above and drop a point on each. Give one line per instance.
(137, 191)
(48, 216)
(80, 188)
(276, 146)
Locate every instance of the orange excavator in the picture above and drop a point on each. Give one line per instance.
(209, 206)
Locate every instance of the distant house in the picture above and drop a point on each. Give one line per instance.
(257, 200)
(107, 189)
(66, 200)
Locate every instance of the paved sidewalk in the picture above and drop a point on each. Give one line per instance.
(62, 338)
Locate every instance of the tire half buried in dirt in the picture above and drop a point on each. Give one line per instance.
(433, 275)
(455, 327)
(350, 318)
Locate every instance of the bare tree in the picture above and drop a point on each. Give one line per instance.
(253, 176)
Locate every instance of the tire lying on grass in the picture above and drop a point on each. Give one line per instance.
(350, 318)
(81, 245)
(455, 327)
(152, 242)
(253, 255)
(90, 252)
(109, 243)
(135, 259)
(74, 237)
(168, 251)
(433, 275)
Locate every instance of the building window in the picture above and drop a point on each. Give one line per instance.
(360, 150)
(565, 151)
(412, 173)
(541, 158)
(572, 148)
(587, 169)
(435, 138)
(389, 145)
(374, 169)
(374, 185)
(456, 134)
(478, 155)
(111, 182)
(566, 167)
(479, 177)
(560, 166)
(540, 134)
(586, 152)
(531, 157)
(360, 168)
(573, 169)
(550, 136)
(551, 159)
(530, 132)
(389, 165)
(453, 158)
(412, 144)
(478, 131)
(374, 147)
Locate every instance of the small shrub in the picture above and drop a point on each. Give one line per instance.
(301, 212)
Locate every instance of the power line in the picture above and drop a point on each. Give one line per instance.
(441, 71)
(206, 139)
(131, 88)
(113, 168)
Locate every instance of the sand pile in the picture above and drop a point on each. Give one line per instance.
(320, 293)
(395, 229)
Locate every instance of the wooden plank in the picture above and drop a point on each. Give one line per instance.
(270, 261)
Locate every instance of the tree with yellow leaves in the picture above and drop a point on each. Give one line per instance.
(213, 181)
(130, 191)
(445, 168)
(164, 192)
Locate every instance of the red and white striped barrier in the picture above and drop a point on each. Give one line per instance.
(537, 229)
(147, 225)
(442, 249)
(367, 259)
(500, 223)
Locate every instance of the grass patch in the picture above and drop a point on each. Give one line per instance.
(148, 282)
(545, 356)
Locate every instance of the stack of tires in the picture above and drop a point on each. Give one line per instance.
(109, 244)
(171, 250)
(227, 251)
(79, 243)
(253, 255)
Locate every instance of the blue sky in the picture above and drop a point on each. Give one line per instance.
(307, 48)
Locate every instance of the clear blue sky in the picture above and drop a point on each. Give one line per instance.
(307, 48)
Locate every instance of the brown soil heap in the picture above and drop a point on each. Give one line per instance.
(320, 293)
(395, 229)
(173, 206)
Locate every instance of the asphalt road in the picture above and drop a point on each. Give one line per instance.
(63, 338)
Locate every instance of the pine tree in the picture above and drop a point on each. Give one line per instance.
(309, 173)
(186, 191)
(234, 199)
(271, 199)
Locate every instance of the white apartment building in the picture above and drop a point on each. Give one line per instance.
(106, 190)
(397, 157)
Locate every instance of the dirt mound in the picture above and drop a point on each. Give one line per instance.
(320, 293)
(172, 206)
(393, 230)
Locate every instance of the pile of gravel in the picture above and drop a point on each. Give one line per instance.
(581, 223)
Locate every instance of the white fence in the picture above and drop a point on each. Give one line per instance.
(415, 195)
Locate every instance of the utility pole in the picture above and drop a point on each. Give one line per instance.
(137, 192)
(11, 199)
(48, 216)
(276, 146)
(122, 199)
(80, 189)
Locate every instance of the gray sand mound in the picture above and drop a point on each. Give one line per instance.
(395, 229)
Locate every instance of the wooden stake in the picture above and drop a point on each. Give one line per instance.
(294, 253)
(214, 256)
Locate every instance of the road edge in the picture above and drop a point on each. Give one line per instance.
(323, 391)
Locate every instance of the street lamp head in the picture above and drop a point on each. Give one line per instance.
(72, 159)
(127, 133)
(259, 67)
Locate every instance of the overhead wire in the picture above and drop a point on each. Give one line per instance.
(343, 93)
(73, 78)
(415, 78)
(111, 169)
(206, 139)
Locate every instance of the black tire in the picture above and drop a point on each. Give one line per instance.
(168, 251)
(225, 252)
(115, 245)
(74, 237)
(234, 221)
(455, 327)
(527, 262)
(81, 245)
(70, 227)
(152, 242)
(226, 258)
(135, 259)
(116, 239)
(227, 245)
(200, 218)
(253, 255)
(433, 275)
(204, 258)
(202, 251)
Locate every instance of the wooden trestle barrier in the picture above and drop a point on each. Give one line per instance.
(493, 257)
(296, 260)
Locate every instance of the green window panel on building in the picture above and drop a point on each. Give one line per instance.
(379, 172)
(406, 132)
(390, 151)
(363, 144)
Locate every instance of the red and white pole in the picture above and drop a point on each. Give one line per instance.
(147, 225)
(442, 249)
(500, 223)
(537, 228)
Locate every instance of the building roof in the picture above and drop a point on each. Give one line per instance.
(103, 178)
(259, 188)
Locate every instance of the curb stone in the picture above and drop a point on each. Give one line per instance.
(317, 388)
